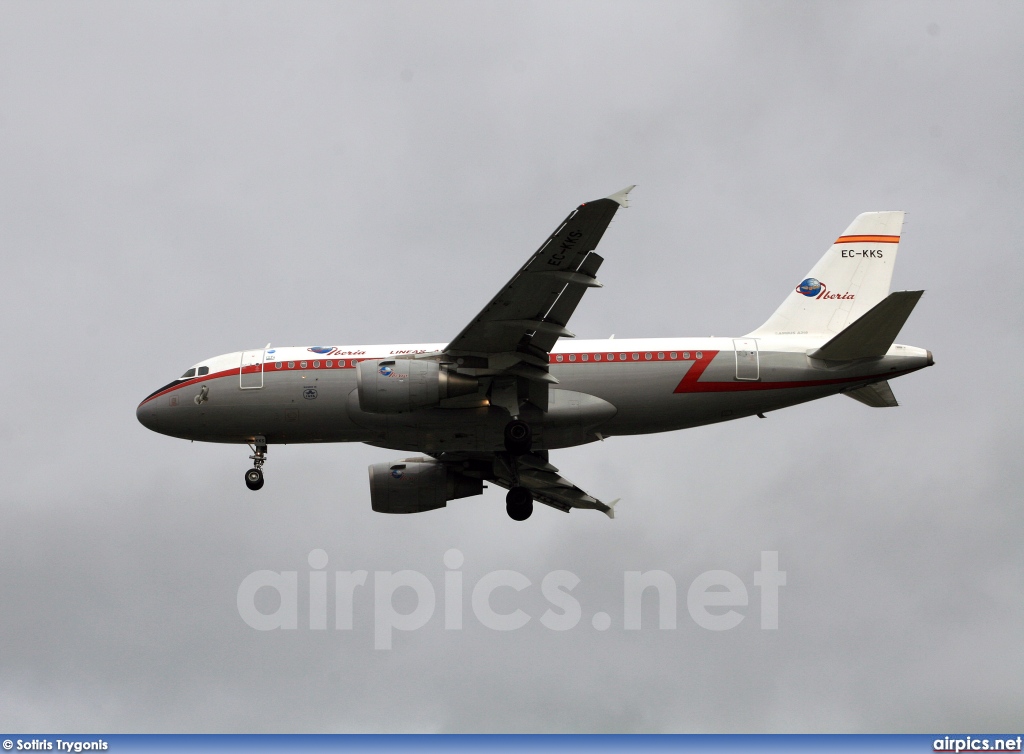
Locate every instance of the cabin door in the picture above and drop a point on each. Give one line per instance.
(250, 376)
(747, 367)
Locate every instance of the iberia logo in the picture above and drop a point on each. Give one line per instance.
(810, 287)
(816, 289)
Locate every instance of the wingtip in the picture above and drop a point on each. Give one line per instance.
(621, 196)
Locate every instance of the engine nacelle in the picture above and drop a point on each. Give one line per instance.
(394, 386)
(415, 485)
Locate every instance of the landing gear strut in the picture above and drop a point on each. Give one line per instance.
(254, 476)
(518, 442)
(519, 503)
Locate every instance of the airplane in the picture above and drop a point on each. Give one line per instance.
(490, 405)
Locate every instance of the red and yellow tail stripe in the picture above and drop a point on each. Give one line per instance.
(867, 239)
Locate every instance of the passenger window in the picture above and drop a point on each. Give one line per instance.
(291, 365)
(302, 364)
(572, 357)
(203, 371)
(279, 365)
(316, 365)
(330, 363)
(190, 373)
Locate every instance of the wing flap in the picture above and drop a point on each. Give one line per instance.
(571, 296)
(550, 487)
(536, 473)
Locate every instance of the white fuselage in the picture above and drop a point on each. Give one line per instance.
(605, 388)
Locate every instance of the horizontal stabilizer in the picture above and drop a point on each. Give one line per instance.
(872, 334)
(878, 395)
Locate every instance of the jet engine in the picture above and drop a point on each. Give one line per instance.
(415, 485)
(395, 386)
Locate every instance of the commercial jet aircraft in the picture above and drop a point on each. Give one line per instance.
(489, 405)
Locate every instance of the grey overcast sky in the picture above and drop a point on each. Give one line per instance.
(182, 179)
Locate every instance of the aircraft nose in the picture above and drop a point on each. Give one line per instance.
(146, 413)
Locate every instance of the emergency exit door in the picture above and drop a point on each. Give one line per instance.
(747, 367)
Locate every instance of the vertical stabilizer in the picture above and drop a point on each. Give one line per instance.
(852, 277)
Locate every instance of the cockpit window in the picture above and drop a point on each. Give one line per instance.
(203, 371)
(190, 373)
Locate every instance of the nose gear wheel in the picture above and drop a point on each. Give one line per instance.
(254, 479)
(254, 476)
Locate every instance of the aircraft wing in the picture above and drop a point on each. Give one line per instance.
(509, 341)
(530, 312)
(536, 473)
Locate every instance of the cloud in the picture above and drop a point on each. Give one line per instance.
(183, 180)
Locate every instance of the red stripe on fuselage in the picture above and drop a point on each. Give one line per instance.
(693, 386)
(693, 374)
(690, 382)
(186, 383)
(254, 369)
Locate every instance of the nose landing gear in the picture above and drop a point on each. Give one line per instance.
(254, 476)
(254, 479)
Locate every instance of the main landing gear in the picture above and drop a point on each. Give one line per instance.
(254, 476)
(519, 503)
(518, 441)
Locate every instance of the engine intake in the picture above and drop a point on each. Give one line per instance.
(395, 386)
(415, 485)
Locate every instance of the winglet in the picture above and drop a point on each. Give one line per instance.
(620, 196)
(611, 508)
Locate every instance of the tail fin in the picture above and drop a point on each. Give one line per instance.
(852, 277)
